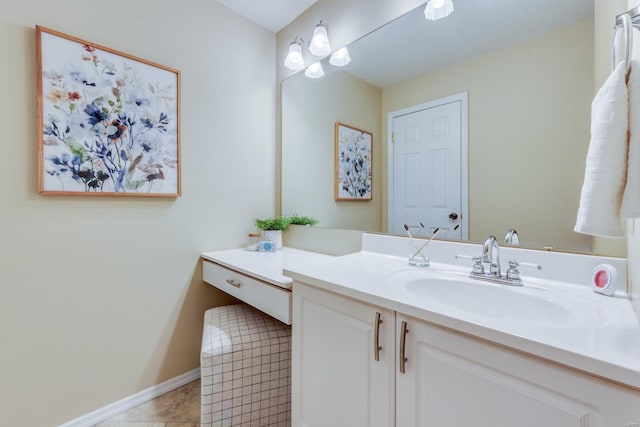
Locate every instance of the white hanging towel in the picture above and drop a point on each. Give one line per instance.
(606, 168)
(631, 198)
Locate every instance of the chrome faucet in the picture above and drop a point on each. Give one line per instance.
(491, 255)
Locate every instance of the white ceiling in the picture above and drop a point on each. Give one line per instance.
(271, 14)
(411, 46)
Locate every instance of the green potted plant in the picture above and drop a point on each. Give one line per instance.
(272, 228)
(302, 220)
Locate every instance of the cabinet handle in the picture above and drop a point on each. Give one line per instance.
(376, 339)
(233, 283)
(403, 341)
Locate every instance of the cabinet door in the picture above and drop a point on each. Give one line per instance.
(456, 381)
(336, 380)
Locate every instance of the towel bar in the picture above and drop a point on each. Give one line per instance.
(628, 41)
(628, 21)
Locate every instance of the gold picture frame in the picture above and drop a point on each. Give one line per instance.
(108, 122)
(353, 163)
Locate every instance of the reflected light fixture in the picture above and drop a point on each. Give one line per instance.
(340, 57)
(319, 45)
(437, 9)
(294, 60)
(314, 71)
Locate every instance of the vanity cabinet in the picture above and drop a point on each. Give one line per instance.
(266, 297)
(453, 379)
(447, 379)
(336, 379)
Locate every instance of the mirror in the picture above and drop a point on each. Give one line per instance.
(527, 68)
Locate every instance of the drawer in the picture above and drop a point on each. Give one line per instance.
(271, 299)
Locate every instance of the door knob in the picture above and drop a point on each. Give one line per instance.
(453, 216)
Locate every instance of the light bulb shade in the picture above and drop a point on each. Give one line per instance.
(319, 45)
(314, 71)
(340, 57)
(294, 60)
(437, 9)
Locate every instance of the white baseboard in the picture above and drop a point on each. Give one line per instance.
(127, 403)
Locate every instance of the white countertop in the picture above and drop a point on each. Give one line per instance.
(609, 349)
(266, 266)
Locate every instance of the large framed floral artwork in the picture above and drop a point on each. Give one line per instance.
(108, 122)
(353, 151)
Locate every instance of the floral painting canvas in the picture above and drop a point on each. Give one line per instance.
(352, 163)
(108, 122)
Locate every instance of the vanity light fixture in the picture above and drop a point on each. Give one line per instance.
(437, 9)
(319, 45)
(315, 71)
(340, 57)
(294, 60)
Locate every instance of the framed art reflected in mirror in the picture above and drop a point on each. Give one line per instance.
(353, 156)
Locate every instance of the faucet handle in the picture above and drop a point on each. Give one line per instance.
(477, 266)
(512, 272)
(512, 238)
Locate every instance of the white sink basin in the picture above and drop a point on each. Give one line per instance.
(487, 302)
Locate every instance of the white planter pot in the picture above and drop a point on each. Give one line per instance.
(274, 236)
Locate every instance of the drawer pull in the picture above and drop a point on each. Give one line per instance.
(376, 339)
(233, 283)
(403, 341)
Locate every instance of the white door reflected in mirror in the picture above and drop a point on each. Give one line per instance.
(426, 167)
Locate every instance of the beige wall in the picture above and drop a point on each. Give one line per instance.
(308, 147)
(528, 133)
(101, 298)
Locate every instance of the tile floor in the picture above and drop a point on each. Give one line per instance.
(177, 408)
